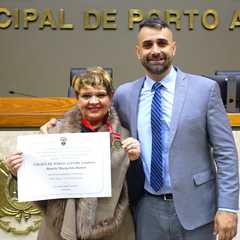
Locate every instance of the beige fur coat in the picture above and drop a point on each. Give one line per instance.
(91, 218)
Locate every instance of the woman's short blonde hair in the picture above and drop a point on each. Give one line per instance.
(95, 77)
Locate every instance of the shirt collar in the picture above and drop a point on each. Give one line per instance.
(168, 81)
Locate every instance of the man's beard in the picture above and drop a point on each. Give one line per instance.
(156, 69)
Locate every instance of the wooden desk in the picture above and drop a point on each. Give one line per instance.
(34, 112)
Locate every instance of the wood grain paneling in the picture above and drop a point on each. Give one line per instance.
(33, 112)
(234, 119)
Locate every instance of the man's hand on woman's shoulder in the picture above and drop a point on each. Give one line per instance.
(51, 123)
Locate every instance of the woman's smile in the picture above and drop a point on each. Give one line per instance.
(94, 102)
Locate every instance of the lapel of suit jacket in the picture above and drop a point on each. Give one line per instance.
(135, 95)
(179, 97)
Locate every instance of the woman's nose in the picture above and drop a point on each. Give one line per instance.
(94, 99)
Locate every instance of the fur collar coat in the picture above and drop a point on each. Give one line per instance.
(91, 218)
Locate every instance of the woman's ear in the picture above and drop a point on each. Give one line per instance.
(76, 94)
(111, 95)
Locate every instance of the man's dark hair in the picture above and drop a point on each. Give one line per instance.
(153, 22)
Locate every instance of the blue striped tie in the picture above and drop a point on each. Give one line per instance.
(156, 176)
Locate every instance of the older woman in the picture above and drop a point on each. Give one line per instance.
(91, 218)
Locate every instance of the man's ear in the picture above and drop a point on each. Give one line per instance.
(137, 51)
(174, 48)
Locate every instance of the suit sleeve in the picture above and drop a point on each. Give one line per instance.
(135, 174)
(223, 150)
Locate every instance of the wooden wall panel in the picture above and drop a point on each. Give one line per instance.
(33, 112)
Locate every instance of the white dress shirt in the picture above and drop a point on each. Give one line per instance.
(144, 127)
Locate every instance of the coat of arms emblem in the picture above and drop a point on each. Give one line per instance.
(20, 213)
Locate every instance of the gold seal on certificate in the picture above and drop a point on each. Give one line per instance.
(71, 165)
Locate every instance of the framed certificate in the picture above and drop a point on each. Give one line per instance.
(71, 165)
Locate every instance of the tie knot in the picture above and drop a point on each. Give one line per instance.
(156, 86)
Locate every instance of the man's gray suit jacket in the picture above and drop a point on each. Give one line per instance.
(203, 162)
